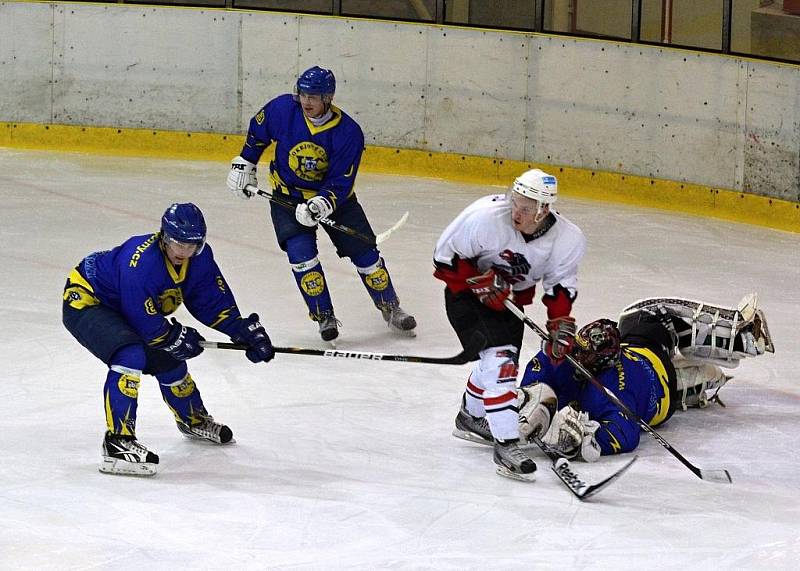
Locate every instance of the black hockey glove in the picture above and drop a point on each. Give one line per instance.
(182, 342)
(251, 333)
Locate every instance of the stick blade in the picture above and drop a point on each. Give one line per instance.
(716, 476)
(384, 235)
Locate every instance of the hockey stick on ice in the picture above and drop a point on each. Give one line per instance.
(331, 223)
(718, 476)
(476, 344)
(573, 481)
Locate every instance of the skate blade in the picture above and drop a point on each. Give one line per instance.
(503, 471)
(196, 438)
(123, 468)
(471, 437)
(403, 332)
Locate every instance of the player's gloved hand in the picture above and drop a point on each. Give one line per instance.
(562, 337)
(537, 405)
(491, 289)
(253, 334)
(573, 434)
(182, 342)
(241, 175)
(310, 212)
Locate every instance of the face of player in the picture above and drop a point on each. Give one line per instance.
(179, 252)
(313, 105)
(527, 214)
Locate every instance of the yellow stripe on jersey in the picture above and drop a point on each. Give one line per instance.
(662, 407)
(79, 292)
(337, 118)
(177, 277)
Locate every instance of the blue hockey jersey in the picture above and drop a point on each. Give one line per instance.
(640, 380)
(309, 160)
(138, 280)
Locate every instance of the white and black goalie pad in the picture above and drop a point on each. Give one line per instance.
(695, 380)
(537, 405)
(721, 335)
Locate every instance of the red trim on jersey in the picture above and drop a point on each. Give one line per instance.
(456, 276)
(473, 388)
(502, 399)
(559, 304)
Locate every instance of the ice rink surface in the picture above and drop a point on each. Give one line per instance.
(346, 464)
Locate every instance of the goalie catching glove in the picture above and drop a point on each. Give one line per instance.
(253, 334)
(241, 175)
(572, 433)
(312, 211)
(491, 289)
(537, 405)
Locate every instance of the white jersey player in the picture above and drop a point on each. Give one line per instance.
(501, 247)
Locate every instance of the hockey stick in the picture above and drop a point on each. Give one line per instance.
(476, 344)
(718, 476)
(331, 223)
(576, 485)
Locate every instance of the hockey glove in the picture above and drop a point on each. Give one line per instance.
(310, 212)
(242, 174)
(562, 338)
(491, 289)
(253, 334)
(537, 405)
(573, 434)
(182, 342)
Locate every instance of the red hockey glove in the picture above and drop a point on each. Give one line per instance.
(491, 289)
(562, 337)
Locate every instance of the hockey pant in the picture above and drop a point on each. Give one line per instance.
(492, 392)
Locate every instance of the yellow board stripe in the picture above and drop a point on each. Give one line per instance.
(674, 196)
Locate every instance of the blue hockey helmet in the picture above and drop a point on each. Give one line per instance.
(184, 223)
(316, 81)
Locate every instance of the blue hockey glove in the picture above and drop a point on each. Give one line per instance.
(253, 334)
(182, 342)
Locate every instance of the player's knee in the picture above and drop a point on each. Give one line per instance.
(369, 259)
(301, 248)
(131, 357)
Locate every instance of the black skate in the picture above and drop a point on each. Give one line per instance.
(328, 326)
(472, 428)
(124, 455)
(398, 320)
(207, 429)
(513, 462)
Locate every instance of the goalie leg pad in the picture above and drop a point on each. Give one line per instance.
(721, 335)
(695, 379)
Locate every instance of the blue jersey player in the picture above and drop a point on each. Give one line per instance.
(115, 304)
(662, 356)
(317, 154)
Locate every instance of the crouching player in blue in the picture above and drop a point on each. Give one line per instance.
(662, 356)
(115, 303)
(317, 154)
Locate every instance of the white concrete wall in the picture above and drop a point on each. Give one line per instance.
(618, 107)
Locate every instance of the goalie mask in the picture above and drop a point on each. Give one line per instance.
(597, 345)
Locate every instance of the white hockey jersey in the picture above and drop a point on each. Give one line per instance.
(484, 234)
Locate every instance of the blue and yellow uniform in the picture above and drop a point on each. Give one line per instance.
(115, 303)
(317, 160)
(643, 378)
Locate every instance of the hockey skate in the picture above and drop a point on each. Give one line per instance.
(513, 461)
(207, 429)
(472, 428)
(328, 326)
(398, 320)
(124, 455)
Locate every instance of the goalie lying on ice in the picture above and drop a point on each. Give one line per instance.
(662, 355)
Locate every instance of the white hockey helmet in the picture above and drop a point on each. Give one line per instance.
(538, 185)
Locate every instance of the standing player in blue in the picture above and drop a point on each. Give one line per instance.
(115, 303)
(663, 356)
(317, 153)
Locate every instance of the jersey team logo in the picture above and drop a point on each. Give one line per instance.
(313, 283)
(170, 300)
(517, 268)
(308, 161)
